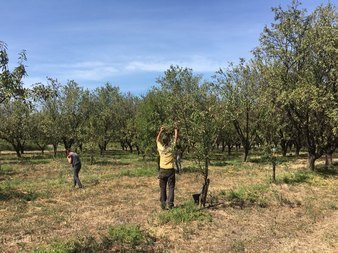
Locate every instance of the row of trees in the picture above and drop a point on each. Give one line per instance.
(286, 96)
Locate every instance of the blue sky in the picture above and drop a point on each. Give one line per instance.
(130, 43)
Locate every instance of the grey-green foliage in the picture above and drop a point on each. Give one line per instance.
(14, 115)
(240, 87)
(11, 81)
(51, 107)
(300, 52)
(151, 115)
(105, 118)
(74, 111)
(192, 106)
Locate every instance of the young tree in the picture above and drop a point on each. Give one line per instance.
(239, 89)
(193, 107)
(14, 115)
(128, 110)
(151, 114)
(38, 131)
(105, 119)
(11, 81)
(50, 108)
(74, 112)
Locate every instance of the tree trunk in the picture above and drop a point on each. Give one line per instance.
(229, 149)
(274, 169)
(17, 150)
(298, 147)
(138, 150)
(283, 143)
(311, 161)
(22, 148)
(245, 158)
(284, 147)
(328, 160)
(130, 146)
(101, 149)
(55, 148)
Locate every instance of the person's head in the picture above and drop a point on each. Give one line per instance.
(68, 150)
(165, 139)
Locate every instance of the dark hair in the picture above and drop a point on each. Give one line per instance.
(165, 139)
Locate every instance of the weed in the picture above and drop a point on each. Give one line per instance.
(6, 170)
(87, 244)
(124, 237)
(333, 206)
(139, 172)
(186, 213)
(296, 178)
(127, 234)
(237, 246)
(30, 196)
(219, 163)
(247, 195)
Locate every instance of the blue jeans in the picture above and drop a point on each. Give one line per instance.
(76, 179)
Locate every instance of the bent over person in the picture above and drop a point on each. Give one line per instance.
(166, 177)
(74, 159)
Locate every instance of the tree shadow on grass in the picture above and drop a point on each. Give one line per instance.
(5, 173)
(113, 163)
(6, 195)
(327, 172)
(190, 169)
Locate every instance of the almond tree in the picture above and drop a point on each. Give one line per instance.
(239, 89)
(105, 119)
(193, 107)
(74, 112)
(14, 116)
(302, 51)
(11, 81)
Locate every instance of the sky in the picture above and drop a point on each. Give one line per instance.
(131, 43)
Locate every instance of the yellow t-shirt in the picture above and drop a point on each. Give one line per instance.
(166, 156)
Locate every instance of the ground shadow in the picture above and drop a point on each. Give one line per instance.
(113, 163)
(6, 195)
(327, 172)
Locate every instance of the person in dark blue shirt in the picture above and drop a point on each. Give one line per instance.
(74, 159)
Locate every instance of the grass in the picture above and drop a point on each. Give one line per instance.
(185, 213)
(296, 177)
(122, 238)
(247, 195)
(119, 208)
(139, 172)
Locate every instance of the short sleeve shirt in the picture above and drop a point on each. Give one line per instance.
(166, 155)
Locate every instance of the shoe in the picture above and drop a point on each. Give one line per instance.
(163, 206)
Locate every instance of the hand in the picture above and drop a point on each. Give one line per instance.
(162, 129)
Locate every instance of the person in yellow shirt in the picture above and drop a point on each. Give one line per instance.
(165, 148)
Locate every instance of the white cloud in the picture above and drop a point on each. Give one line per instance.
(101, 71)
(197, 63)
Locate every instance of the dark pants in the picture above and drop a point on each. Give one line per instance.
(167, 177)
(76, 180)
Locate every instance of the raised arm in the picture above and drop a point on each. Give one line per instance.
(159, 134)
(175, 135)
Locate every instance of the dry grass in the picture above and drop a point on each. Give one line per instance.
(39, 205)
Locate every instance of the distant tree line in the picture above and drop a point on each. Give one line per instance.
(285, 96)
